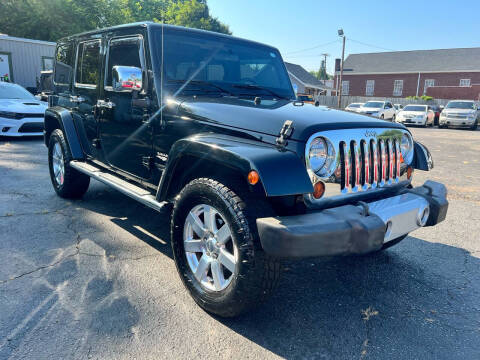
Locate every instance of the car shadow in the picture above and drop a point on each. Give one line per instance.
(410, 301)
(417, 299)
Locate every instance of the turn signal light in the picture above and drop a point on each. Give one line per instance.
(318, 189)
(253, 177)
(409, 172)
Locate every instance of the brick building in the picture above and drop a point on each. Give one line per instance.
(445, 73)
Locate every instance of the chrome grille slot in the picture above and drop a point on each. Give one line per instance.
(366, 160)
(374, 152)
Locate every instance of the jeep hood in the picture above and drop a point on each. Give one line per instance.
(269, 116)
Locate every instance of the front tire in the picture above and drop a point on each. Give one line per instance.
(216, 249)
(67, 182)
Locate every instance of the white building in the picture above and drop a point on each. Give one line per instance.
(21, 60)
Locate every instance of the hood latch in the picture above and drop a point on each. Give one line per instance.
(285, 133)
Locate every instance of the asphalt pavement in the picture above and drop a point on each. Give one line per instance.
(94, 278)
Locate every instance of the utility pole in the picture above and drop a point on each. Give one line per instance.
(324, 66)
(342, 35)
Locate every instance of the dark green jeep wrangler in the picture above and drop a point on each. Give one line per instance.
(209, 123)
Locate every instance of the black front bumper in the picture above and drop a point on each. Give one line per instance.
(344, 230)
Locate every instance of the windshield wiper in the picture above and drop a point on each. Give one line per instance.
(204, 83)
(257, 87)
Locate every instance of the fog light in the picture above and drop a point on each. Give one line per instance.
(5, 129)
(318, 189)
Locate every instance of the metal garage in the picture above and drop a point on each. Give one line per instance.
(21, 60)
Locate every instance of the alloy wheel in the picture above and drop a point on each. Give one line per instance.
(58, 164)
(209, 248)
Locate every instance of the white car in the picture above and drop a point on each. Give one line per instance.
(21, 114)
(413, 114)
(355, 107)
(461, 113)
(380, 109)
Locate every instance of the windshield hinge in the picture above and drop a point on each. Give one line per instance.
(285, 133)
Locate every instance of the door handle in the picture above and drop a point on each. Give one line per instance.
(76, 99)
(105, 104)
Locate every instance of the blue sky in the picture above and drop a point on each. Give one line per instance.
(296, 25)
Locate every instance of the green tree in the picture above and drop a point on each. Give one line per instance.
(54, 19)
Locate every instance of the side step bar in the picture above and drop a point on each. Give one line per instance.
(135, 192)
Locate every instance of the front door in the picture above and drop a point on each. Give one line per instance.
(125, 134)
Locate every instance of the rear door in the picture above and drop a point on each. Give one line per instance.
(85, 91)
(125, 133)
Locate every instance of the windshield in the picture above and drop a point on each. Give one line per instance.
(354, 105)
(415, 108)
(210, 64)
(373, 104)
(13, 91)
(461, 105)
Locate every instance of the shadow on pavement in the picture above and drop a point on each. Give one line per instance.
(416, 298)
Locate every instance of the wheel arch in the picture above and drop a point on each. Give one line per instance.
(60, 118)
(229, 160)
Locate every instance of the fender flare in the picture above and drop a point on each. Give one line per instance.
(57, 117)
(281, 172)
(422, 159)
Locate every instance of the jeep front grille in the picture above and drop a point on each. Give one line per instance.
(366, 160)
(369, 163)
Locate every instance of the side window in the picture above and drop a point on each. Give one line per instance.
(88, 62)
(63, 64)
(123, 52)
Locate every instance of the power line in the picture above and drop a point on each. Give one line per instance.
(370, 45)
(311, 48)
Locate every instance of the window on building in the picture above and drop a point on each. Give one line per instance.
(397, 88)
(47, 63)
(370, 88)
(464, 82)
(429, 83)
(345, 87)
(88, 62)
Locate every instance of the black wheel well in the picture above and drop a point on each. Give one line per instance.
(51, 123)
(190, 167)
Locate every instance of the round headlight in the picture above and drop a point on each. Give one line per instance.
(321, 156)
(406, 147)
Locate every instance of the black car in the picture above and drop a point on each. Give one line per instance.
(209, 124)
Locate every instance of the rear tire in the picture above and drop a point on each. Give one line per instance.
(67, 182)
(475, 125)
(254, 275)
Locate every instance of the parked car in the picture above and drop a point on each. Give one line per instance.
(21, 114)
(355, 107)
(253, 176)
(414, 114)
(380, 109)
(308, 99)
(460, 113)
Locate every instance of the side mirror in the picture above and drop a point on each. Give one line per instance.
(126, 78)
